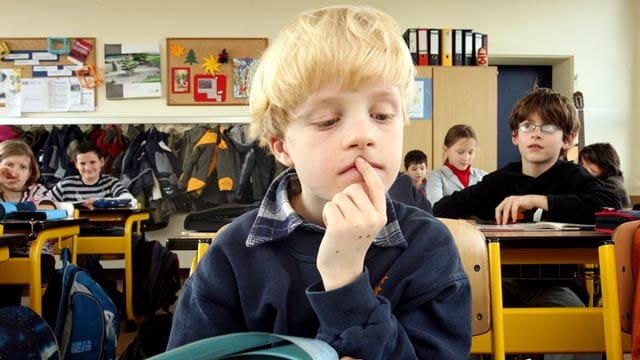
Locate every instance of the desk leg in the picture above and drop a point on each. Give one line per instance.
(610, 305)
(497, 320)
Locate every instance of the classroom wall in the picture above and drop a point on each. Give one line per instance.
(600, 35)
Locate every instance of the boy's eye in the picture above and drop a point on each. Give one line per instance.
(381, 117)
(327, 123)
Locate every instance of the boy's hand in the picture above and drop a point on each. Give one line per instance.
(88, 203)
(6, 173)
(353, 218)
(507, 211)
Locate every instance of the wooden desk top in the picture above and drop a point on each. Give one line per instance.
(548, 239)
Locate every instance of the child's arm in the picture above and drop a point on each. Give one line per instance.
(353, 218)
(434, 186)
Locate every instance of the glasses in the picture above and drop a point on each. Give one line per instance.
(545, 128)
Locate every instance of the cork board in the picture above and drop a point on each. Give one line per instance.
(192, 63)
(28, 50)
(41, 44)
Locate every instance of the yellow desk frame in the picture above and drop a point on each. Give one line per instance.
(560, 330)
(131, 220)
(26, 270)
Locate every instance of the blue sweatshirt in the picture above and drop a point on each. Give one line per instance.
(413, 299)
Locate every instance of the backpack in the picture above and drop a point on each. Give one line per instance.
(151, 338)
(156, 277)
(25, 335)
(84, 317)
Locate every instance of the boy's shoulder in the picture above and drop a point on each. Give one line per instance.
(418, 224)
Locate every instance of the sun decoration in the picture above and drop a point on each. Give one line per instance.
(211, 65)
(177, 50)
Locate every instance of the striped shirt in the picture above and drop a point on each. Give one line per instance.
(72, 189)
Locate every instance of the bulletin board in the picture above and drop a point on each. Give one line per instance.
(53, 62)
(211, 71)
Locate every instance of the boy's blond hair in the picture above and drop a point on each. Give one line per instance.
(552, 107)
(354, 46)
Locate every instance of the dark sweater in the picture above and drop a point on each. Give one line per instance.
(573, 194)
(413, 299)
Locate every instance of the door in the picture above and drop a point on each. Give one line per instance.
(515, 82)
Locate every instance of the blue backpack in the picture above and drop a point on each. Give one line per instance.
(84, 317)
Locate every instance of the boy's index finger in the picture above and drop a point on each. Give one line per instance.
(373, 182)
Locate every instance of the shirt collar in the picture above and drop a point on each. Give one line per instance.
(277, 219)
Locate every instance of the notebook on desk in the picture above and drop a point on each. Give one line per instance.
(111, 203)
(536, 226)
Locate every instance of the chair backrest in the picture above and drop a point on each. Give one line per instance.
(624, 236)
(473, 251)
(202, 248)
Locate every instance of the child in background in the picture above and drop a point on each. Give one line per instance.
(415, 165)
(328, 255)
(83, 190)
(91, 184)
(19, 174)
(457, 173)
(541, 188)
(603, 162)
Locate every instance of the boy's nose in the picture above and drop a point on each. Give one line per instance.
(359, 132)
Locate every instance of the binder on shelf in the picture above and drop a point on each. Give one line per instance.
(458, 47)
(469, 58)
(485, 42)
(446, 42)
(410, 37)
(477, 44)
(434, 47)
(423, 46)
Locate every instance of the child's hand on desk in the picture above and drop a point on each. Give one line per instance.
(507, 211)
(88, 203)
(353, 218)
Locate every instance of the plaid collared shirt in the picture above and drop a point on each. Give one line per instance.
(276, 217)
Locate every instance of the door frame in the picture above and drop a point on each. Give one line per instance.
(563, 79)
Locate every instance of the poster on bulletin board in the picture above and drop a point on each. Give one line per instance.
(211, 71)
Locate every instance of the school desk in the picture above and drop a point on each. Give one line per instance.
(7, 241)
(131, 222)
(26, 270)
(559, 330)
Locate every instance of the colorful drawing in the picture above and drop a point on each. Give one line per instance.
(180, 80)
(210, 88)
(243, 69)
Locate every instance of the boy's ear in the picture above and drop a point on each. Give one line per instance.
(279, 149)
(568, 143)
(514, 138)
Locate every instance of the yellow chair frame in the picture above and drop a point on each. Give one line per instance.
(115, 245)
(26, 270)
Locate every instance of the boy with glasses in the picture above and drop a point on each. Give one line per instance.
(539, 187)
